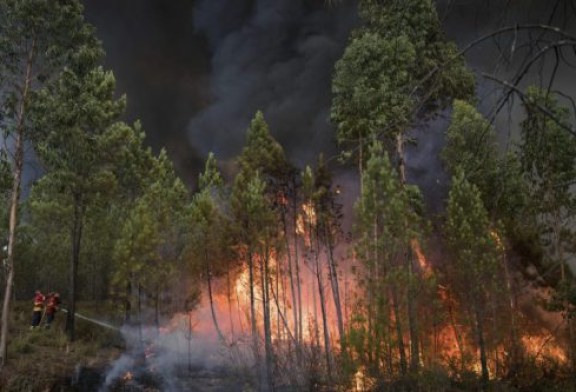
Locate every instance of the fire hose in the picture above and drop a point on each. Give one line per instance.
(91, 320)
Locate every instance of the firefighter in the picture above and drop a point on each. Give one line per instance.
(52, 304)
(39, 299)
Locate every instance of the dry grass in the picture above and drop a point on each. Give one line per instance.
(40, 358)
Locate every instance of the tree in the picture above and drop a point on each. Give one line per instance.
(548, 157)
(386, 226)
(392, 75)
(309, 190)
(151, 245)
(38, 38)
(475, 255)
(80, 146)
(207, 237)
(471, 148)
(255, 219)
(386, 79)
(328, 215)
(254, 208)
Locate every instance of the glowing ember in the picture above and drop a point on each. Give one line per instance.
(128, 376)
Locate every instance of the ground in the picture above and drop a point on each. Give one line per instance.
(44, 360)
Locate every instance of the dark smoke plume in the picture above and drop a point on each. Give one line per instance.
(195, 71)
(274, 56)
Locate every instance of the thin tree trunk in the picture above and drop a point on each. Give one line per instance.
(412, 317)
(253, 312)
(189, 338)
(323, 308)
(361, 163)
(157, 310)
(210, 296)
(269, 360)
(335, 288)
(399, 334)
(128, 302)
(413, 322)
(482, 348)
(74, 261)
(140, 314)
(14, 201)
(283, 318)
(291, 276)
(457, 335)
(315, 318)
(298, 303)
(558, 251)
(229, 295)
(515, 351)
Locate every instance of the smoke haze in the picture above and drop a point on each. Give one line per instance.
(195, 71)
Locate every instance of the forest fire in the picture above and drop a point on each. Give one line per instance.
(453, 343)
(544, 348)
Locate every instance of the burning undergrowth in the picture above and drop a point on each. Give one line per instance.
(170, 358)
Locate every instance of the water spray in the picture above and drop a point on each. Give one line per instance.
(94, 321)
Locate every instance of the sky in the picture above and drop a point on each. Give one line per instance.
(196, 71)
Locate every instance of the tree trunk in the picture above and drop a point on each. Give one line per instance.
(558, 252)
(128, 302)
(298, 303)
(74, 261)
(335, 288)
(210, 297)
(253, 311)
(515, 350)
(323, 308)
(412, 322)
(157, 309)
(482, 348)
(412, 317)
(265, 281)
(291, 275)
(14, 201)
(361, 163)
(399, 333)
(140, 337)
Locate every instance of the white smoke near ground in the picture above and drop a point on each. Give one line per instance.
(170, 355)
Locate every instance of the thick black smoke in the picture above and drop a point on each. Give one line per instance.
(161, 63)
(195, 71)
(274, 56)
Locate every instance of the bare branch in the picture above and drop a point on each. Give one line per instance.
(544, 110)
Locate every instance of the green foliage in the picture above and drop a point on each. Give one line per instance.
(548, 159)
(263, 167)
(470, 239)
(261, 152)
(45, 35)
(211, 176)
(397, 68)
(471, 147)
(151, 242)
(548, 155)
(208, 223)
(371, 87)
(386, 226)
